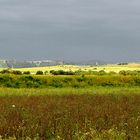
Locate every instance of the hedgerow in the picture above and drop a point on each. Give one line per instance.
(44, 81)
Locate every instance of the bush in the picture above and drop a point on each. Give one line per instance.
(61, 72)
(26, 72)
(6, 71)
(128, 72)
(122, 72)
(102, 72)
(124, 63)
(16, 72)
(46, 72)
(39, 72)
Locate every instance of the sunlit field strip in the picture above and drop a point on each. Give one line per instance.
(107, 68)
(70, 91)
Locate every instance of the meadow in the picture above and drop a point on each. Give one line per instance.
(99, 113)
(85, 106)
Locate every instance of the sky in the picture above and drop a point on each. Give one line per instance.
(74, 30)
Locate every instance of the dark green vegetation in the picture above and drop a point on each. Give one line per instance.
(71, 117)
(61, 72)
(78, 72)
(76, 81)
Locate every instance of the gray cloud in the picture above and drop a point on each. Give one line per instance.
(70, 29)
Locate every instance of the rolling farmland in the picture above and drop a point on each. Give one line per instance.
(70, 107)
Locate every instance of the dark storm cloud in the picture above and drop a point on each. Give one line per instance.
(70, 29)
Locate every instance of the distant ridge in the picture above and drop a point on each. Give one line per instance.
(28, 64)
(89, 62)
(42, 63)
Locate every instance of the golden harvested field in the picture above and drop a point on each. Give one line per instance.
(107, 68)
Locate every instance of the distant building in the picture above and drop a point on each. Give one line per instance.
(46, 63)
(3, 64)
(96, 63)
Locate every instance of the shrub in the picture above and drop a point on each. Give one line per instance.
(16, 72)
(61, 72)
(39, 72)
(123, 63)
(5, 71)
(52, 71)
(123, 72)
(102, 72)
(26, 72)
(46, 72)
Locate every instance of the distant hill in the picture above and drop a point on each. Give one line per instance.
(27, 64)
(42, 63)
(90, 62)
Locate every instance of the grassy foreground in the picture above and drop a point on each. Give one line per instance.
(99, 113)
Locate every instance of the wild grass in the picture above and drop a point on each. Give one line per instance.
(101, 113)
(93, 91)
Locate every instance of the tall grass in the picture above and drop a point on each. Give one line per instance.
(93, 91)
(70, 117)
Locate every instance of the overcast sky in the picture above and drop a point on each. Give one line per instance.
(107, 30)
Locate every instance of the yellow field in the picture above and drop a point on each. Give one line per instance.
(107, 68)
